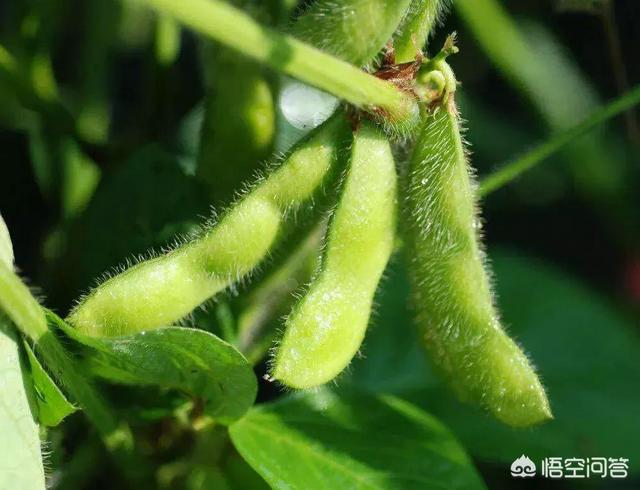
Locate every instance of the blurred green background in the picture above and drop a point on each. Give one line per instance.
(101, 115)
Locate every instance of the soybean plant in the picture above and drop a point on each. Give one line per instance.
(325, 329)
(388, 170)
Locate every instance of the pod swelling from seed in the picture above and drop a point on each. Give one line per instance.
(451, 286)
(326, 327)
(160, 291)
(353, 30)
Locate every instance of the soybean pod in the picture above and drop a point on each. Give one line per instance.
(353, 30)
(6, 248)
(162, 290)
(451, 285)
(325, 329)
(239, 115)
(239, 121)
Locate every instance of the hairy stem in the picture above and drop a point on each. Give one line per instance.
(417, 26)
(237, 30)
(20, 306)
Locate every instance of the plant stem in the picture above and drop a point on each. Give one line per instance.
(17, 302)
(237, 30)
(115, 435)
(69, 374)
(618, 66)
(513, 169)
(416, 27)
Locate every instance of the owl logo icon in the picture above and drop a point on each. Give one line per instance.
(523, 467)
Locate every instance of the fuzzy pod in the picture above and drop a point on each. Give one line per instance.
(160, 291)
(6, 248)
(353, 30)
(326, 327)
(451, 285)
(239, 121)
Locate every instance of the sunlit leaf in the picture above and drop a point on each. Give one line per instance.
(585, 350)
(186, 359)
(325, 441)
(21, 461)
(53, 406)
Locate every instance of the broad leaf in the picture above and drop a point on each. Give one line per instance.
(21, 460)
(588, 355)
(186, 359)
(585, 350)
(53, 406)
(325, 441)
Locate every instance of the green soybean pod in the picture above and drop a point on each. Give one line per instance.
(326, 327)
(6, 248)
(162, 290)
(451, 286)
(239, 121)
(353, 30)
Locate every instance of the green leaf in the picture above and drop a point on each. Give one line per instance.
(320, 440)
(585, 350)
(587, 353)
(187, 359)
(53, 406)
(21, 460)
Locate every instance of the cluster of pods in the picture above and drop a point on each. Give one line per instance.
(429, 202)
